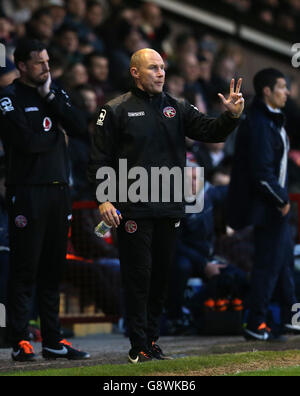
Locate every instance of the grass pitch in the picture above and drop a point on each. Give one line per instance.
(268, 363)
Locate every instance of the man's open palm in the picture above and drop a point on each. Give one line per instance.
(235, 103)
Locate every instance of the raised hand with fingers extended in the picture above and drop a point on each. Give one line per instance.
(235, 103)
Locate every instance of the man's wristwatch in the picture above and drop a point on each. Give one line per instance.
(50, 96)
(235, 116)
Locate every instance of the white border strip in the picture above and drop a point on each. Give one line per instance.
(226, 25)
(198, 15)
(265, 40)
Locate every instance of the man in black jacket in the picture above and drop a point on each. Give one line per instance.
(34, 115)
(146, 129)
(258, 196)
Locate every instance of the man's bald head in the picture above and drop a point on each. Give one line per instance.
(148, 70)
(139, 57)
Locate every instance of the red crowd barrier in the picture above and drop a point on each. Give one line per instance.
(84, 205)
(90, 290)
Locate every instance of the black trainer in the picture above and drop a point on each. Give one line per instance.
(24, 352)
(261, 333)
(137, 356)
(292, 328)
(157, 352)
(65, 351)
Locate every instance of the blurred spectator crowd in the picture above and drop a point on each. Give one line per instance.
(90, 44)
(282, 15)
(279, 14)
(278, 17)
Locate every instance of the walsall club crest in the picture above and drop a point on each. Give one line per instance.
(130, 226)
(21, 221)
(47, 124)
(169, 112)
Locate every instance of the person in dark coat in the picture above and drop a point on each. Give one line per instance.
(258, 196)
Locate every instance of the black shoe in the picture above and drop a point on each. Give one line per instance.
(277, 338)
(261, 333)
(65, 351)
(137, 356)
(157, 352)
(290, 328)
(24, 352)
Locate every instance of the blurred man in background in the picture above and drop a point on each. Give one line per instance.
(259, 197)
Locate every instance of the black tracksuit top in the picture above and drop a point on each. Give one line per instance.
(150, 132)
(32, 134)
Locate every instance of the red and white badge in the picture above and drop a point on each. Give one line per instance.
(130, 226)
(169, 112)
(21, 221)
(47, 124)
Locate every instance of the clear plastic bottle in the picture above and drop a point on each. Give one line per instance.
(102, 228)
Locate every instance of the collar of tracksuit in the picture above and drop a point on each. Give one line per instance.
(276, 116)
(157, 98)
(25, 86)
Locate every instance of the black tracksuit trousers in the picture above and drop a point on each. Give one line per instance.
(273, 271)
(146, 256)
(38, 224)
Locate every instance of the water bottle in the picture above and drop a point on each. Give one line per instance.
(102, 228)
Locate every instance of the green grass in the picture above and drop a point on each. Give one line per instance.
(207, 365)
(279, 372)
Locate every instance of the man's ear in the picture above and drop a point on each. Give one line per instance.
(267, 91)
(134, 72)
(22, 67)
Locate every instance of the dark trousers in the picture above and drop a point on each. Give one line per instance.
(146, 256)
(273, 270)
(38, 227)
(4, 269)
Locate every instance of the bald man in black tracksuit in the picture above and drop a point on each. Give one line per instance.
(147, 128)
(33, 119)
